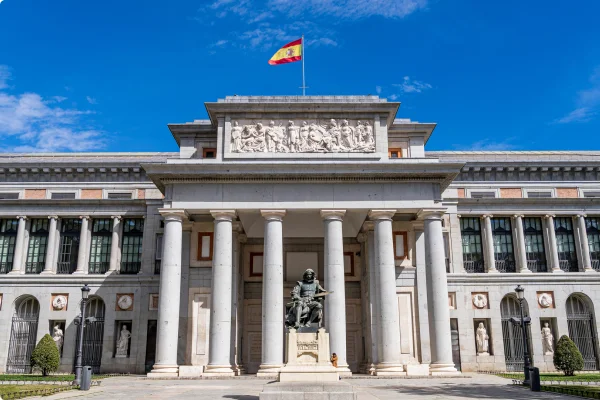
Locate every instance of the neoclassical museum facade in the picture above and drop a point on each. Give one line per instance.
(194, 253)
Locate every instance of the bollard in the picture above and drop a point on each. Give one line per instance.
(535, 379)
(86, 378)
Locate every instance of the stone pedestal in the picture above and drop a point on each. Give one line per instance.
(313, 391)
(307, 358)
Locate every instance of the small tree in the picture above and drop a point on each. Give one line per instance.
(567, 357)
(45, 356)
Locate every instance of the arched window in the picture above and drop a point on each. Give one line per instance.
(582, 331)
(93, 335)
(512, 335)
(23, 335)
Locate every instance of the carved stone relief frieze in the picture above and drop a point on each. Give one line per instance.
(310, 136)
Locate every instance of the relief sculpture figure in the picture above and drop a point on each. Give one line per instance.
(306, 306)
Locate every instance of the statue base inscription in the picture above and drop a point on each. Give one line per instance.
(307, 358)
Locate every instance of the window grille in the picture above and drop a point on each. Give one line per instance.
(534, 244)
(470, 229)
(503, 246)
(38, 243)
(565, 244)
(593, 233)
(100, 249)
(70, 232)
(131, 254)
(8, 238)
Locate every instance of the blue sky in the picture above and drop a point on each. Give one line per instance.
(109, 76)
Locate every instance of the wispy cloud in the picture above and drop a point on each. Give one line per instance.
(5, 76)
(587, 102)
(91, 100)
(490, 145)
(39, 124)
(349, 9)
(409, 85)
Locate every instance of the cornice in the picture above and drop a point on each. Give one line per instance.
(523, 279)
(529, 172)
(115, 280)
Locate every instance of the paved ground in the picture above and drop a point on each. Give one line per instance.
(470, 387)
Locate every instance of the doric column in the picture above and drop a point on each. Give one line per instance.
(369, 227)
(335, 303)
(439, 314)
(389, 363)
(17, 267)
(83, 246)
(272, 294)
(115, 244)
(490, 258)
(522, 250)
(50, 258)
(553, 247)
(219, 357)
(584, 244)
(169, 295)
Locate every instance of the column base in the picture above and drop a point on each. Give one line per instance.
(589, 270)
(13, 272)
(218, 370)
(492, 271)
(269, 370)
(163, 371)
(44, 272)
(417, 369)
(526, 271)
(389, 369)
(344, 371)
(79, 273)
(443, 370)
(557, 271)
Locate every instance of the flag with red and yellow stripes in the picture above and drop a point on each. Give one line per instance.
(289, 53)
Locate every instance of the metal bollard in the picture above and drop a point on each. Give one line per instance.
(535, 379)
(86, 378)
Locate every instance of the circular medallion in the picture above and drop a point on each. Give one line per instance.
(480, 300)
(125, 302)
(545, 300)
(59, 302)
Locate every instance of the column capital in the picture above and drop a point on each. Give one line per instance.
(381, 214)
(117, 217)
(23, 217)
(367, 226)
(516, 216)
(484, 216)
(580, 216)
(223, 215)
(549, 216)
(53, 217)
(431, 213)
(173, 214)
(85, 217)
(273, 215)
(333, 214)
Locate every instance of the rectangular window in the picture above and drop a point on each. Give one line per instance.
(158, 253)
(70, 232)
(534, 244)
(9, 195)
(119, 195)
(8, 238)
(100, 249)
(538, 194)
(483, 195)
(205, 246)
(395, 153)
(38, 243)
(131, 255)
(503, 246)
(62, 196)
(593, 234)
(400, 245)
(565, 244)
(209, 153)
(591, 193)
(470, 229)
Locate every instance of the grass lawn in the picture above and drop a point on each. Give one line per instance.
(548, 376)
(10, 389)
(50, 378)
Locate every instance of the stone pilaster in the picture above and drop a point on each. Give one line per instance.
(490, 258)
(272, 294)
(521, 249)
(553, 247)
(49, 266)
(115, 245)
(17, 267)
(584, 244)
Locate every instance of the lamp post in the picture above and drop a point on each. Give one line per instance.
(85, 292)
(524, 321)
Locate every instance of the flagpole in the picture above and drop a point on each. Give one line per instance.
(303, 78)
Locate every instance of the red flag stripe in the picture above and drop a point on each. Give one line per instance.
(294, 43)
(286, 60)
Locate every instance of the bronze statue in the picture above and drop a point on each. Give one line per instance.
(306, 306)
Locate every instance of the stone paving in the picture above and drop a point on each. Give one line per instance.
(470, 386)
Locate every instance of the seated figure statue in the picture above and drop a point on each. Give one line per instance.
(306, 307)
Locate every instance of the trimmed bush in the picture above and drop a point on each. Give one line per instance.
(567, 357)
(45, 356)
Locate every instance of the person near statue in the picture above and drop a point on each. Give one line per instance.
(334, 360)
(306, 308)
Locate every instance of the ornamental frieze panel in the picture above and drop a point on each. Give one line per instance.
(303, 136)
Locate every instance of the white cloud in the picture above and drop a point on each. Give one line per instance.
(349, 9)
(91, 100)
(37, 124)
(588, 102)
(490, 145)
(321, 42)
(412, 86)
(378, 89)
(5, 76)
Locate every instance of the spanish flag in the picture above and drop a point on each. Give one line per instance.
(289, 53)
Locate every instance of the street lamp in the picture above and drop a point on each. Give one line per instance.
(520, 291)
(85, 292)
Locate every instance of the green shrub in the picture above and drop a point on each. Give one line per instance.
(45, 356)
(567, 357)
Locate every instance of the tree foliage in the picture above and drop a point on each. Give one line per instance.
(567, 357)
(45, 357)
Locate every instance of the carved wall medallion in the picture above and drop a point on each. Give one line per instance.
(124, 302)
(310, 136)
(545, 300)
(153, 302)
(59, 302)
(480, 300)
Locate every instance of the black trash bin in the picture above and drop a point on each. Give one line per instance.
(86, 378)
(535, 379)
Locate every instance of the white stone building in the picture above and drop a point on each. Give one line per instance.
(196, 252)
